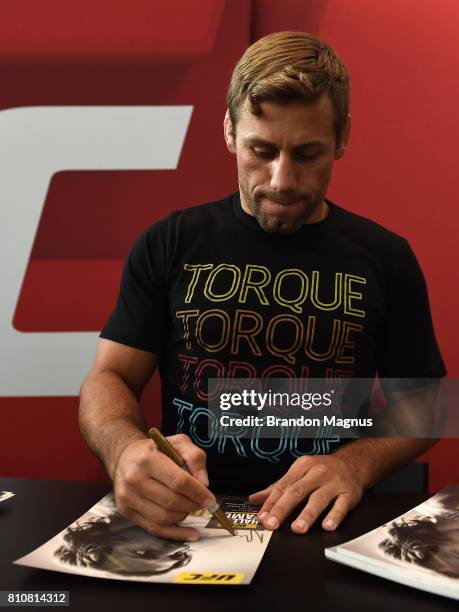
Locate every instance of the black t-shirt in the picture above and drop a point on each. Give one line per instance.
(215, 296)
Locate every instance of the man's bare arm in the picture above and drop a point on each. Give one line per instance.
(411, 424)
(110, 413)
(150, 489)
(373, 459)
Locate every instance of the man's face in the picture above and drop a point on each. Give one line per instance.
(285, 158)
(142, 553)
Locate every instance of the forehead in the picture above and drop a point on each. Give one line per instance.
(291, 123)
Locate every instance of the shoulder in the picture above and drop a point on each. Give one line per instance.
(369, 234)
(197, 218)
(163, 239)
(389, 252)
(367, 228)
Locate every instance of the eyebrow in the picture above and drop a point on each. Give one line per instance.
(256, 140)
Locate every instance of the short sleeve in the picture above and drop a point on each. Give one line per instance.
(407, 347)
(141, 316)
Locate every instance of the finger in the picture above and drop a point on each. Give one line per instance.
(291, 493)
(277, 490)
(168, 499)
(137, 484)
(341, 507)
(155, 513)
(317, 502)
(172, 532)
(295, 472)
(147, 508)
(260, 496)
(284, 499)
(177, 479)
(194, 456)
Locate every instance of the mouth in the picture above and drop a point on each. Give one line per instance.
(282, 204)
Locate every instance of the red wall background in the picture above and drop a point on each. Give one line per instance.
(398, 170)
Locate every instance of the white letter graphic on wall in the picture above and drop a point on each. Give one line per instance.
(35, 143)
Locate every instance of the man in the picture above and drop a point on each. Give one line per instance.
(273, 281)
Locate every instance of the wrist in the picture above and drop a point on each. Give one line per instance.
(359, 462)
(112, 461)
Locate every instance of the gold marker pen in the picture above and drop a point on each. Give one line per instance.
(166, 447)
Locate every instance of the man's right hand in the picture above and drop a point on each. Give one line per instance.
(156, 494)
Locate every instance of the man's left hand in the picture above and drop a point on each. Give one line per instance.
(320, 480)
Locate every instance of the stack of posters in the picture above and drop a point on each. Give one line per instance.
(419, 548)
(104, 544)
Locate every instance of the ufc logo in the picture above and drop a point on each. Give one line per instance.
(35, 143)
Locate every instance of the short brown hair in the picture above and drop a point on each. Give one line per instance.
(287, 66)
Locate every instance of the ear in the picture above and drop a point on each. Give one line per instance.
(228, 131)
(341, 145)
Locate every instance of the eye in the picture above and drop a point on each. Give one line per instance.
(307, 156)
(263, 152)
(140, 553)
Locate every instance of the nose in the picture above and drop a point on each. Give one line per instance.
(283, 174)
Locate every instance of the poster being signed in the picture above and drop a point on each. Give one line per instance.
(104, 544)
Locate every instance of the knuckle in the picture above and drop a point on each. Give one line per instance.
(131, 474)
(142, 509)
(182, 437)
(199, 454)
(303, 460)
(131, 478)
(144, 455)
(319, 496)
(142, 459)
(169, 502)
(280, 486)
(179, 480)
(320, 470)
(162, 517)
(296, 491)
